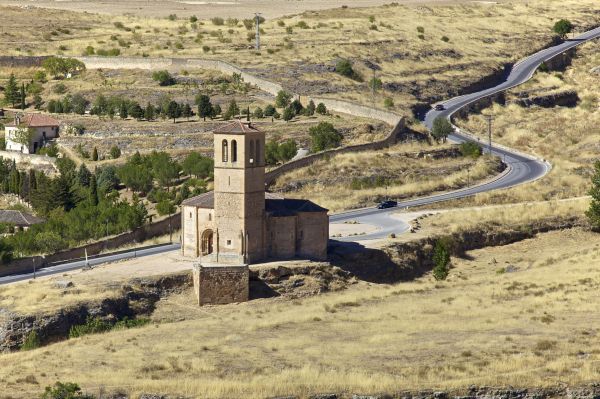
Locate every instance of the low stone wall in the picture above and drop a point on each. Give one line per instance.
(25, 265)
(218, 285)
(568, 98)
(15, 61)
(391, 139)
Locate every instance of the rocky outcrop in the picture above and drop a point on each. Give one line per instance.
(136, 298)
(567, 98)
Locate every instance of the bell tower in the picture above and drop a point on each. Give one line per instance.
(239, 194)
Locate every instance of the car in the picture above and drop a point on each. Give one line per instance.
(440, 107)
(387, 204)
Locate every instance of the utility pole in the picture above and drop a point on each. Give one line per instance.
(257, 16)
(373, 87)
(489, 118)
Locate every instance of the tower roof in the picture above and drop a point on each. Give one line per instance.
(236, 127)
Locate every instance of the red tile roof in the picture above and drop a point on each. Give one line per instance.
(236, 127)
(37, 120)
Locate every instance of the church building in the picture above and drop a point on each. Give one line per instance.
(239, 223)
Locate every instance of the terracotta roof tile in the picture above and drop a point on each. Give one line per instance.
(236, 127)
(37, 120)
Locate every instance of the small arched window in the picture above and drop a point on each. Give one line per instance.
(233, 151)
(225, 152)
(257, 152)
(251, 152)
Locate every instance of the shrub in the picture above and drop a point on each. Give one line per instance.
(288, 113)
(281, 23)
(206, 49)
(172, 17)
(324, 136)
(344, 68)
(32, 341)
(66, 390)
(163, 78)
(93, 325)
(388, 102)
(373, 27)
(218, 21)
(60, 88)
(269, 110)
(420, 29)
(115, 152)
(445, 39)
(302, 25)
(321, 109)
(89, 50)
(441, 261)
(248, 23)
(471, 149)
(422, 37)
(258, 113)
(193, 19)
(119, 25)
(563, 28)
(289, 30)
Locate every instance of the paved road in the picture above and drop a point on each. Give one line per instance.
(522, 168)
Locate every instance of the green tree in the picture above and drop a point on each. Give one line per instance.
(135, 111)
(58, 66)
(197, 165)
(288, 114)
(324, 136)
(310, 108)
(149, 112)
(258, 113)
(287, 150)
(22, 97)
(344, 68)
(563, 28)
(205, 107)
(165, 207)
(216, 111)
(163, 78)
(232, 110)
(441, 261)
(95, 154)
(38, 101)
(123, 111)
(32, 341)
(84, 176)
(269, 110)
(93, 190)
(186, 111)
(442, 128)
(23, 136)
(321, 109)
(174, 111)
(593, 213)
(283, 99)
(11, 91)
(115, 152)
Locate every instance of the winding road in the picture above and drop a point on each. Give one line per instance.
(521, 169)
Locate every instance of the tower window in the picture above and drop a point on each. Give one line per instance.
(257, 152)
(251, 152)
(225, 152)
(233, 151)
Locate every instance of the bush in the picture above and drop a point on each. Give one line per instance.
(163, 78)
(420, 29)
(93, 325)
(172, 17)
(344, 68)
(258, 113)
(289, 30)
(217, 21)
(115, 152)
(321, 109)
(32, 341)
(445, 39)
(471, 149)
(388, 102)
(441, 261)
(66, 390)
(288, 114)
(563, 28)
(193, 19)
(324, 136)
(302, 25)
(269, 110)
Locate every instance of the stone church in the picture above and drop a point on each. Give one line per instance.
(239, 223)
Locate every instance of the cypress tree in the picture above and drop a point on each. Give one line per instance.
(94, 190)
(22, 96)
(95, 154)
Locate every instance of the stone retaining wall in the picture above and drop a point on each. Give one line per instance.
(42, 161)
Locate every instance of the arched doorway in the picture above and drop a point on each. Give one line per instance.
(207, 242)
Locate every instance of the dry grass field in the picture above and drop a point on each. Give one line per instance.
(362, 179)
(300, 50)
(567, 137)
(522, 315)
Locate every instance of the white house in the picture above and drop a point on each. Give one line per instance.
(38, 129)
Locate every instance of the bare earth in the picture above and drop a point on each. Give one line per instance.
(207, 8)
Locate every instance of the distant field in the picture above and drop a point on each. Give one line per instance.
(209, 8)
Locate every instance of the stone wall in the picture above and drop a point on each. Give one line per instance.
(41, 162)
(568, 98)
(21, 61)
(391, 139)
(218, 285)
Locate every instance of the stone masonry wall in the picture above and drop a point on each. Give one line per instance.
(218, 285)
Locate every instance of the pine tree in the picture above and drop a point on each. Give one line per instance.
(95, 154)
(186, 112)
(11, 91)
(84, 176)
(149, 112)
(205, 108)
(93, 190)
(441, 260)
(23, 97)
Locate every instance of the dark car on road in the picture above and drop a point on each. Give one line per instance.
(439, 107)
(387, 204)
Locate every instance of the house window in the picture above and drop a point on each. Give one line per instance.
(190, 215)
(225, 151)
(209, 217)
(251, 157)
(233, 151)
(228, 243)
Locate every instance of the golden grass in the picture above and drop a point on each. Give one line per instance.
(531, 327)
(496, 33)
(329, 182)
